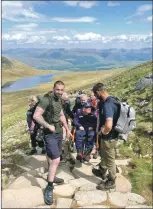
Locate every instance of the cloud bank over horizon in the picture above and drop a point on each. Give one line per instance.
(75, 25)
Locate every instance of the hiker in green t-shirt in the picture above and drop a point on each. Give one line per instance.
(50, 115)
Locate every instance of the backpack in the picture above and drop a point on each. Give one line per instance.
(126, 121)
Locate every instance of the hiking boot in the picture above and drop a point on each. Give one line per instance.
(58, 180)
(109, 184)
(82, 160)
(99, 173)
(87, 158)
(33, 151)
(71, 160)
(79, 156)
(48, 195)
(43, 151)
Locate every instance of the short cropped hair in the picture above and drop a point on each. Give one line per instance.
(99, 87)
(59, 83)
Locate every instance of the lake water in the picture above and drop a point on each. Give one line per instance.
(27, 82)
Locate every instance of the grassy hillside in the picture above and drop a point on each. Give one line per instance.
(13, 70)
(139, 144)
(14, 102)
(120, 83)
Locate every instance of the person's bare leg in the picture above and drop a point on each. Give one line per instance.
(52, 167)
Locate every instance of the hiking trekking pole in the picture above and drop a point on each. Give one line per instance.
(73, 135)
(72, 140)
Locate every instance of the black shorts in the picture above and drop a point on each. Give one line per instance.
(53, 143)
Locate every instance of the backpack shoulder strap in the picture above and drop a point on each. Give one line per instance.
(117, 101)
(50, 109)
(50, 98)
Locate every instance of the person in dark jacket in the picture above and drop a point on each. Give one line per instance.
(33, 126)
(85, 122)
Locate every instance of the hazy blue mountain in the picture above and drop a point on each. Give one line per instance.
(80, 59)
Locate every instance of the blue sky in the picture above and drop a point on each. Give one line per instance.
(81, 24)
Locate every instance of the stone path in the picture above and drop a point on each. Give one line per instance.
(79, 190)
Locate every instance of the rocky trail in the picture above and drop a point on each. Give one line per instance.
(78, 191)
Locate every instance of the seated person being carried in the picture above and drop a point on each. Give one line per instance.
(85, 122)
(94, 103)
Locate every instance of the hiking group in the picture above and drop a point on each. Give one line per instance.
(92, 125)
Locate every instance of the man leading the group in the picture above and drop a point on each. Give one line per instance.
(108, 115)
(50, 115)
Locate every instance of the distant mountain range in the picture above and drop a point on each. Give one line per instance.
(79, 59)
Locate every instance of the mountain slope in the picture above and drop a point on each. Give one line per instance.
(13, 70)
(122, 85)
(139, 144)
(80, 59)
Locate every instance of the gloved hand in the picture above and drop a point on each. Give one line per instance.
(81, 128)
(31, 130)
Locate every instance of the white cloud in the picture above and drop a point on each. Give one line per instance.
(23, 11)
(15, 37)
(69, 39)
(84, 4)
(87, 4)
(19, 11)
(149, 19)
(88, 36)
(144, 8)
(61, 38)
(93, 37)
(26, 27)
(74, 20)
(129, 22)
(113, 4)
(37, 39)
(71, 3)
(141, 10)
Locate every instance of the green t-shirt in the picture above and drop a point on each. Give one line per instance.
(52, 109)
